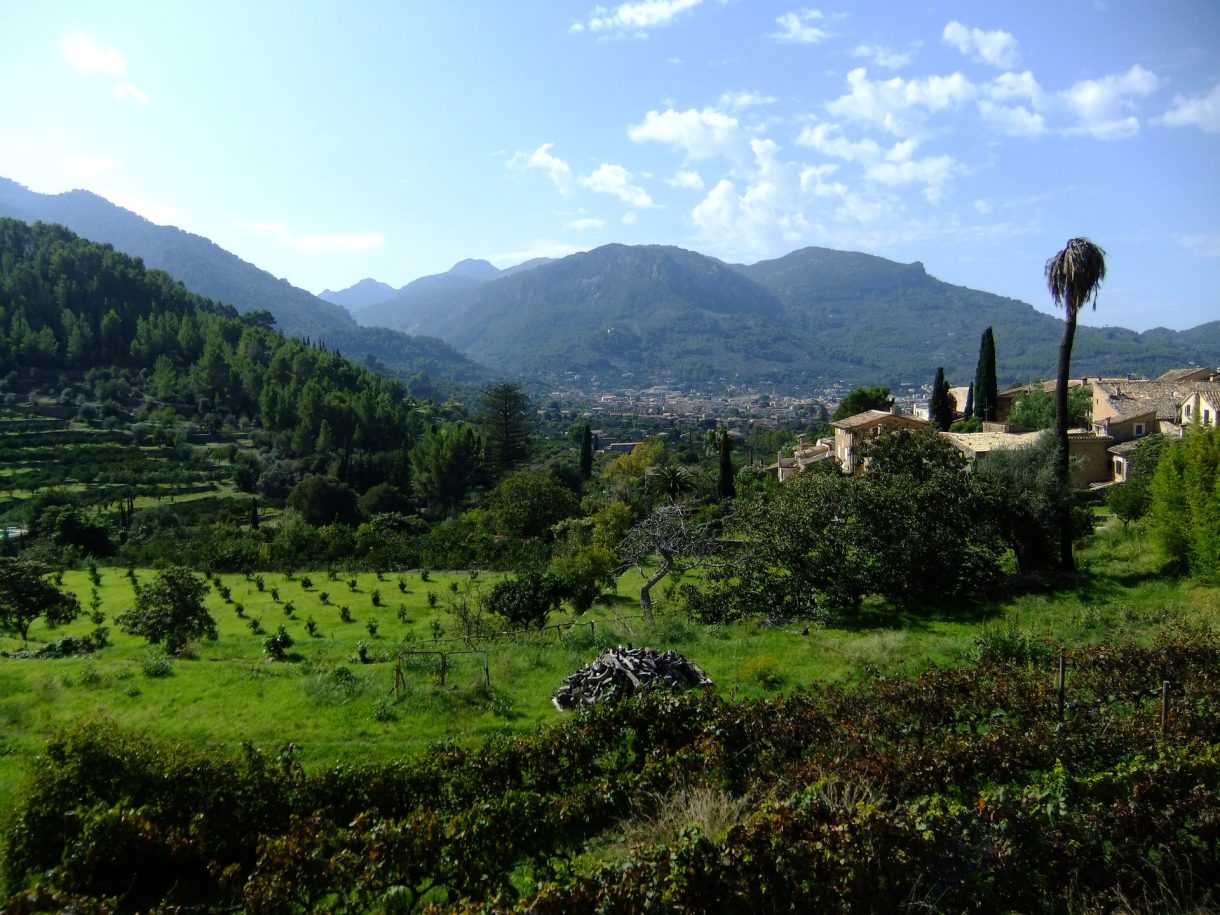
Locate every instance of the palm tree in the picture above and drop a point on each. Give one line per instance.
(1073, 276)
(672, 480)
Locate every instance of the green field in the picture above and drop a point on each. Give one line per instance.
(333, 707)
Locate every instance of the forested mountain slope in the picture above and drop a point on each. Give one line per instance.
(71, 304)
(209, 270)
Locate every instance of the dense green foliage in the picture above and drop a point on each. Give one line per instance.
(909, 530)
(26, 595)
(960, 787)
(170, 610)
(1036, 409)
(861, 400)
(1185, 503)
(1130, 499)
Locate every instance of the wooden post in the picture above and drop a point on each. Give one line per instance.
(1164, 707)
(592, 628)
(486, 671)
(443, 665)
(1062, 679)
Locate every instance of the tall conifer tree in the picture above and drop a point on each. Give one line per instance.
(986, 390)
(726, 488)
(586, 452)
(939, 409)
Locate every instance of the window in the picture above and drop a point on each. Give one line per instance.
(1139, 429)
(1186, 411)
(1207, 417)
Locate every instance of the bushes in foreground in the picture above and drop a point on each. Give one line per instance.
(958, 790)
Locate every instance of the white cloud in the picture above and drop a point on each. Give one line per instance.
(826, 139)
(1018, 121)
(629, 218)
(982, 207)
(1014, 85)
(766, 214)
(616, 181)
(1202, 111)
(687, 179)
(798, 27)
(132, 92)
(634, 18)
(933, 173)
(314, 243)
(886, 58)
(1202, 245)
(896, 105)
(745, 99)
(998, 48)
(581, 225)
(1105, 106)
(700, 134)
(85, 54)
(541, 158)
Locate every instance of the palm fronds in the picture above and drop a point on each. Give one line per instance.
(1075, 274)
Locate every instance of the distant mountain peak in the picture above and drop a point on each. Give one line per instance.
(367, 292)
(474, 267)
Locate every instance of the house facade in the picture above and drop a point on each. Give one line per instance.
(854, 431)
(1201, 405)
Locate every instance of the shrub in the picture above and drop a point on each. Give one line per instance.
(526, 600)
(278, 644)
(157, 664)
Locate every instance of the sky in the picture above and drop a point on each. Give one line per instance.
(328, 142)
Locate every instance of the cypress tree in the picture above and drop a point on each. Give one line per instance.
(586, 452)
(968, 412)
(725, 485)
(254, 514)
(985, 386)
(939, 410)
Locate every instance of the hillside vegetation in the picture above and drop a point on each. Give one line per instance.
(280, 637)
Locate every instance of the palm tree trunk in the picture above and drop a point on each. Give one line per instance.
(1067, 561)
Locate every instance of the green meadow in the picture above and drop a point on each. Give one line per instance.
(334, 697)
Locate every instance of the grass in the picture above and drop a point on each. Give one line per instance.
(335, 708)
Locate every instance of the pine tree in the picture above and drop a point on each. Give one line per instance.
(985, 385)
(506, 424)
(586, 452)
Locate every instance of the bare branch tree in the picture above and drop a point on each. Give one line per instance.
(669, 539)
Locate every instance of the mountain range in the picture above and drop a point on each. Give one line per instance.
(629, 316)
(639, 314)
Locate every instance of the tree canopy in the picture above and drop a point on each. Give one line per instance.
(860, 400)
(25, 595)
(170, 610)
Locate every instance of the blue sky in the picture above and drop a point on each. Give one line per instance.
(328, 142)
